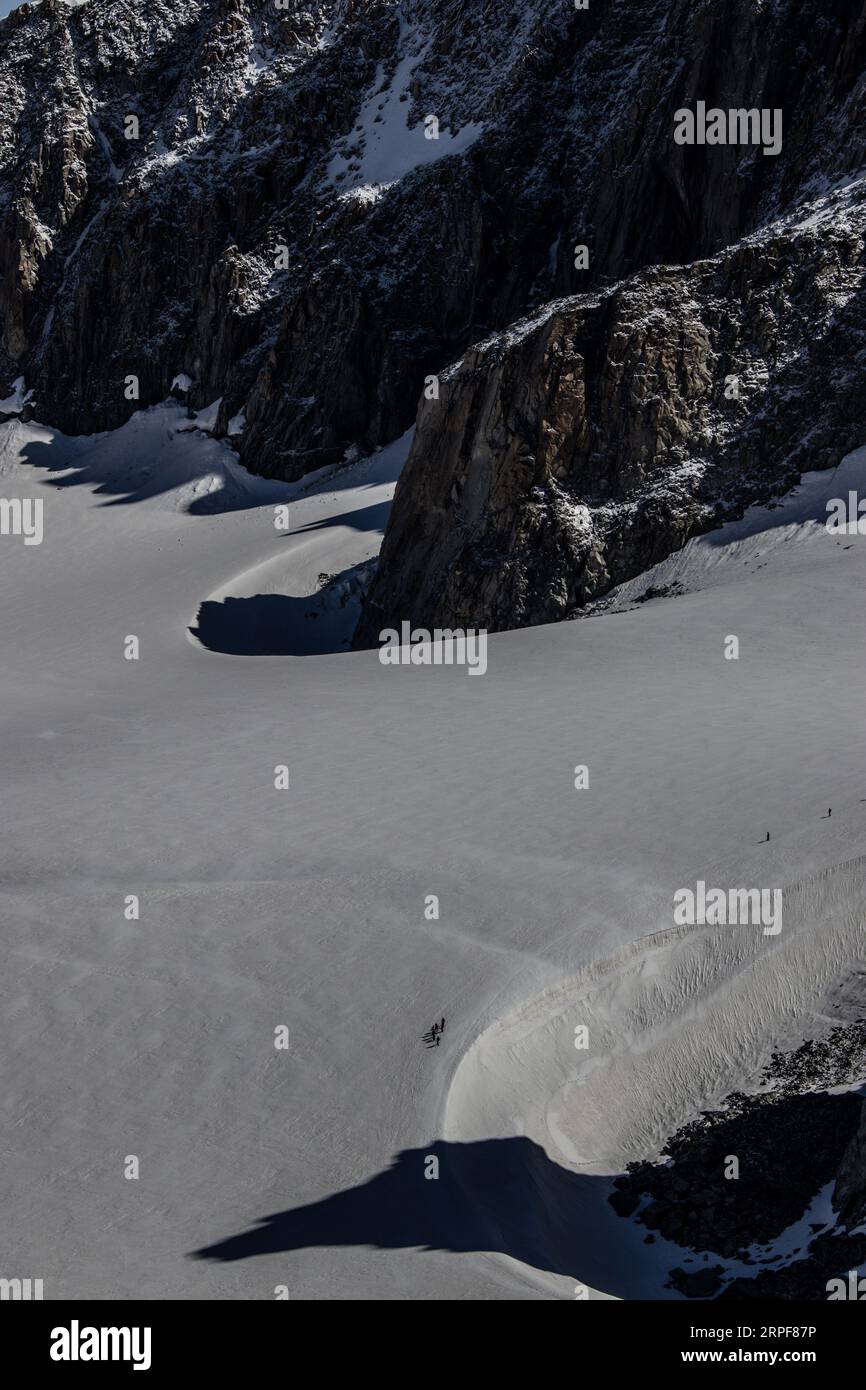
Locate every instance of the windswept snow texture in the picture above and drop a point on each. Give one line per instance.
(154, 1035)
(678, 1022)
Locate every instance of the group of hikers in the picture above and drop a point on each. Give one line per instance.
(433, 1035)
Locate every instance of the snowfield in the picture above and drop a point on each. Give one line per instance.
(305, 908)
(382, 148)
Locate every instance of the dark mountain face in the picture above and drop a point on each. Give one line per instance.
(590, 442)
(285, 234)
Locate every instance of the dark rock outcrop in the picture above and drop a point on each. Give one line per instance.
(586, 444)
(849, 1193)
(787, 1148)
(790, 1139)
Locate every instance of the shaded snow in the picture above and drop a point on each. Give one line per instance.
(16, 402)
(206, 419)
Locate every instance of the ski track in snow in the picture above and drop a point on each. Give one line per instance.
(306, 908)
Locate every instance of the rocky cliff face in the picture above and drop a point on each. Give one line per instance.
(247, 195)
(588, 442)
(849, 1191)
(582, 445)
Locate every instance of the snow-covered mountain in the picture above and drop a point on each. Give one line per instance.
(588, 442)
(223, 825)
(249, 198)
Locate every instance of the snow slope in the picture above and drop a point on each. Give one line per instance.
(677, 1022)
(306, 907)
(792, 531)
(389, 148)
